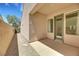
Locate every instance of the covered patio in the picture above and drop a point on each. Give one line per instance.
(40, 26)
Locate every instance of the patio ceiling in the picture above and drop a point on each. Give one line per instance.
(48, 8)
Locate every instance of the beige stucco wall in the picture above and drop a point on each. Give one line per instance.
(6, 35)
(39, 26)
(49, 34)
(25, 20)
(68, 39)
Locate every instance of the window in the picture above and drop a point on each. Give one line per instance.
(50, 25)
(72, 26)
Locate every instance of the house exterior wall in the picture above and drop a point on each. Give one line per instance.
(39, 24)
(68, 39)
(25, 20)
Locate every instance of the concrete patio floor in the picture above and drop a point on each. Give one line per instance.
(35, 48)
(24, 47)
(45, 47)
(44, 50)
(65, 49)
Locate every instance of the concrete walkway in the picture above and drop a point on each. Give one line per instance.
(35, 48)
(44, 50)
(24, 47)
(45, 47)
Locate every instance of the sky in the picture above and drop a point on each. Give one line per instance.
(10, 9)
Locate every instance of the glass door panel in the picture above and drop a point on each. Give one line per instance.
(58, 26)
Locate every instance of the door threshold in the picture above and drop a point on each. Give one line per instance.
(59, 40)
(59, 37)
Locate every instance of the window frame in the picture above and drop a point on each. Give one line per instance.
(50, 28)
(70, 13)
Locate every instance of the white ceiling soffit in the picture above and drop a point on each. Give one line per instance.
(53, 7)
(36, 8)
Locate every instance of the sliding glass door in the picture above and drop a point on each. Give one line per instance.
(58, 28)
